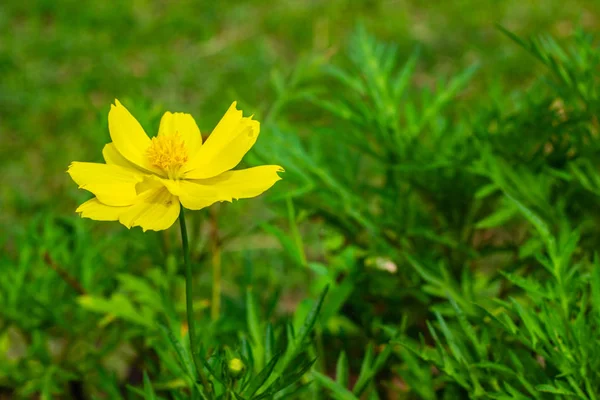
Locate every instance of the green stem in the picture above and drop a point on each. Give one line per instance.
(190, 303)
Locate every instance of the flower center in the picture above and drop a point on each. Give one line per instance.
(168, 152)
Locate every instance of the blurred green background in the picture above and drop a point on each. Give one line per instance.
(63, 62)
(417, 138)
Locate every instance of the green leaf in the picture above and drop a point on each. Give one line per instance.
(486, 191)
(554, 390)
(269, 342)
(185, 359)
(401, 82)
(259, 380)
(342, 370)
(337, 297)
(148, 390)
(293, 393)
(499, 217)
(119, 306)
(338, 391)
(595, 286)
(246, 352)
(531, 323)
(495, 367)
(141, 290)
(369, 370)
(530, 285)
(541, 227)
(290, 377)
(299, 340)
(288, 243)
(255, 331)
(345, 78)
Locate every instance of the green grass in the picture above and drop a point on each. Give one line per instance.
(441, 181)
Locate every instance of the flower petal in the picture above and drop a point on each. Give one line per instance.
(244, 183)
(225, 147)
(98, 211)
(113, 185)
(186, 126)
(112, 156)
(154, 209)
(193, 195)
(129, 137)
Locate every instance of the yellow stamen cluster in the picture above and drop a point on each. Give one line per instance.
(168, 152)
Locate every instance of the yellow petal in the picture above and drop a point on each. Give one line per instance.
(244, 183)
(185, 125)
(154, 209)
(112, 156)
(225, 147)
(129, 137)
(193, 195)
(113, 185)
(98, 211)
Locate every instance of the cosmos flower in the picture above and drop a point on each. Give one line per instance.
(144, 181)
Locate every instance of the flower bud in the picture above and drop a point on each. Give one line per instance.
(236, 366)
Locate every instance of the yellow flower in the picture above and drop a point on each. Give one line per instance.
(144, 180)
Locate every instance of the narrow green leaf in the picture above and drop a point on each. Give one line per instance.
(342, 370)
(337, 391)
(595, 283)
(554, 390)
(148, 390)
(538, 223)
(182, 353)
(366, 363)
(531, 324)
(401, 82)
(246, 352)
(299, 340)
(365, 379)
(345, 78)
(254, 327)
(259, 380)
(289, 378)
(269, 342)
(293, 393)
(497, 218)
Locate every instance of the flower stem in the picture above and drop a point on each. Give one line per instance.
(190, 303)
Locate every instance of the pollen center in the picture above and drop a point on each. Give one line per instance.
(168, 152)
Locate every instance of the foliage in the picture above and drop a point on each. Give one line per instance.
(434, 236)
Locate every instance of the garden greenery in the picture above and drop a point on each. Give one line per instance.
(448, 240)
